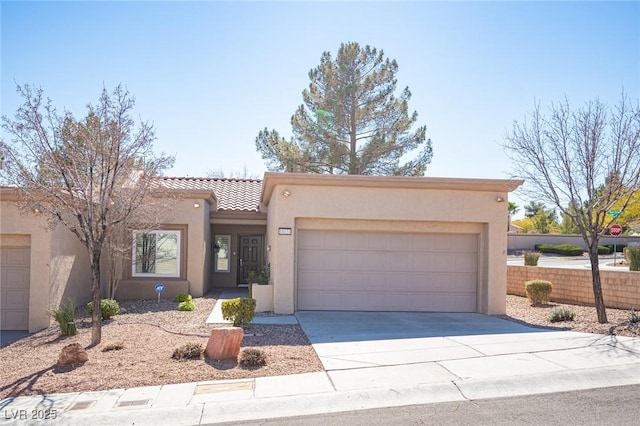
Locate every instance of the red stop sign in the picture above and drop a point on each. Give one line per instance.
(615, 230)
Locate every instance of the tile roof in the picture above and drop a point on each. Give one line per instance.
(232, 194)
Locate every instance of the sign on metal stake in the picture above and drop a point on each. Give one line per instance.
(159, 290)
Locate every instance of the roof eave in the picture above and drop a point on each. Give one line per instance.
(271, 180)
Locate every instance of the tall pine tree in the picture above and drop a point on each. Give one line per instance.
(351, 121)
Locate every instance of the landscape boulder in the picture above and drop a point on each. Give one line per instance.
(224, 343)
(72, 354)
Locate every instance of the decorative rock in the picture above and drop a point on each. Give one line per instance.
(224, 343)
(72, 354)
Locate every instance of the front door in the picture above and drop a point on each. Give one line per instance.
(250, 256)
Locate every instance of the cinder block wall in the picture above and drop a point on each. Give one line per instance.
(621, 289)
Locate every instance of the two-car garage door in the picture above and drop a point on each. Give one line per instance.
(385, 271)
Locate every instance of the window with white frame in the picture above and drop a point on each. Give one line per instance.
(222, 248)
(156, 254)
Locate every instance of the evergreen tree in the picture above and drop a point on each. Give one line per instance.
(351, 121)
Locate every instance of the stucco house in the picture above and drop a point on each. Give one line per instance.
(332, 242)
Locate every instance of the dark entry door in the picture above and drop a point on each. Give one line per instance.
(250, 256)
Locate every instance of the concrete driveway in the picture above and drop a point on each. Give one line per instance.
(371, 349)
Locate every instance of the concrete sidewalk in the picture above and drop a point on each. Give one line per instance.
(494, 365)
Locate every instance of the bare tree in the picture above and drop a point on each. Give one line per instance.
(156, 210)
(583, 161)
(90, 175)
(233, 174)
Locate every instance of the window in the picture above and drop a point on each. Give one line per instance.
(222, 251)
(156, 253)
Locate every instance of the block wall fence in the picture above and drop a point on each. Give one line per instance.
(621, 289)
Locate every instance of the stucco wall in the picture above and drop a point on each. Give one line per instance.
(196, 256)
(621, 289)
(521, 242)
(59, 267)
(375, 208)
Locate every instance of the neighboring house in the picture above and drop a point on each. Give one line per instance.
(39, 267)
(332, 243)
(513, 228)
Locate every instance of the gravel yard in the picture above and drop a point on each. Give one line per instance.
(151, 331)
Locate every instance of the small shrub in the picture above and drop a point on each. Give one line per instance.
(252, 358)
(187, 305)
(259, 276)
(538, 291)
(634, 317)
(113, 346)
(239, 310)
(65, 317)
(632, 256)
(564, 249)
(531, 258)
(618, 247)
(561, 313)
(190, 350)
(604, 250)
(108, 308)
(182, 297)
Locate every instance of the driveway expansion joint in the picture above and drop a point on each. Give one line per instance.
(460, 390)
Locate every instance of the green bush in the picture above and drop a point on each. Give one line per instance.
(564, 249)
(187, 305)
(561, 313)
(619, 247)
(538, 291)
(604, 250)
(239, 310)
(252, 358)
(259, 276)
(65, 317)
(108, 308)
(188, 351)
(531, 258)
(182, 297)
(632, 256)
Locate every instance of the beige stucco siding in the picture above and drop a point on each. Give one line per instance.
(198, 243)
(394, 209)
(59, 265)
(194, 256)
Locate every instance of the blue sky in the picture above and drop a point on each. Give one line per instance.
(211, 75)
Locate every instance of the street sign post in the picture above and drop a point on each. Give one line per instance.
(615, 230)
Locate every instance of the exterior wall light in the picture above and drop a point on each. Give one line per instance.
(500, 199)
(286, 192)
(196, 205)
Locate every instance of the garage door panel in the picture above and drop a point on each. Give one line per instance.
(308, 259)
(387, 271)
(15, 277)
(15, 297)
(16, 257)
(466, 262)
(375, 282)
(14, 291)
